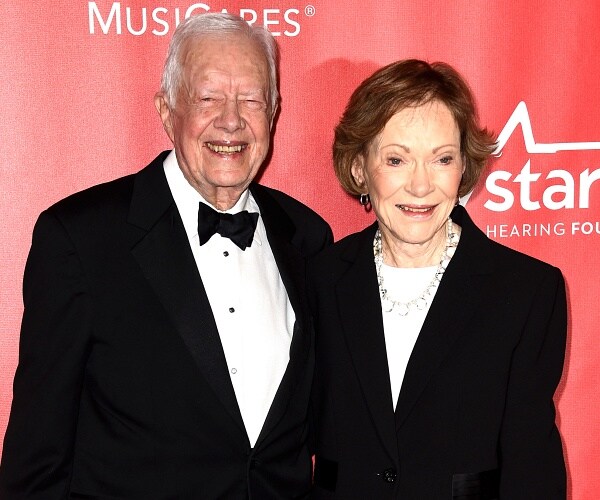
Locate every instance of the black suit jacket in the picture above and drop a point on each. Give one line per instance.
(475, 417)
(122, 389)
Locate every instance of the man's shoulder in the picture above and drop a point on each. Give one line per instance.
(297, 210)
(99, 194)
(287, 202)
(307, 230)
(103, 198)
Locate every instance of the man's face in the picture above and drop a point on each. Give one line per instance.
(220, 123)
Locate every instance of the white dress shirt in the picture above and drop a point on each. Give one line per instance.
(248, 299)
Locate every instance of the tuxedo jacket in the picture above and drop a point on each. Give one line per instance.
(475, 417)
(122, 389)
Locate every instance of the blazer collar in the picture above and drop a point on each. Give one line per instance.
(167, 262)
(151, 196)
(360, 309)
(281, 231)
(165, 258)
(453, 306)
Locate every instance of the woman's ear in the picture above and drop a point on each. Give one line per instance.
(358, 172)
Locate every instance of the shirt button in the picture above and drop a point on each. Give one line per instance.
(389, 475)
(231, 310)
(226, 253)
(234, 370)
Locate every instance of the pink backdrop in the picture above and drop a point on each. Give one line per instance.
(78, 79)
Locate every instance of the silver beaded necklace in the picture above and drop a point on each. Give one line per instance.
(390, 304)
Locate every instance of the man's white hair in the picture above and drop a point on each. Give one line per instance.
(216, 25)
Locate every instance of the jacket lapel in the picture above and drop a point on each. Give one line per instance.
(360, 309)
(454, 304)
(290, 262)
(166, 260)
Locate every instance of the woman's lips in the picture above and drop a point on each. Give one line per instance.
(415, 209)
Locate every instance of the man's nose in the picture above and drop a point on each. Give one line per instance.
(229, 118)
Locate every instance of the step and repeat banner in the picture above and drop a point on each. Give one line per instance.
(78, 80)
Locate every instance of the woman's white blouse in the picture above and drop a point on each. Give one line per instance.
(401, 332)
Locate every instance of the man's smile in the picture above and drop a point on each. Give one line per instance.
(225, 148)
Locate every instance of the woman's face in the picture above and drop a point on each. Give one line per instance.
(412, 173)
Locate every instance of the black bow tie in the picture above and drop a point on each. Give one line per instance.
(239, 227)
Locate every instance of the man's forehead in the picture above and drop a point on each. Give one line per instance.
(207, 58)
(208, 46)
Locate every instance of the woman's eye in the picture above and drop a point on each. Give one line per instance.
(446, 160)
(395, 161)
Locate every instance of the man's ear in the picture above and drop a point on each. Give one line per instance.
(358, 171)
(165, 113)
(273, 114)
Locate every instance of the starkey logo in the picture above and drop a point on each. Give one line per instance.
(117, 18)
(560, 189)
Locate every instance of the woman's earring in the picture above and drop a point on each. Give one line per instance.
(365, 200)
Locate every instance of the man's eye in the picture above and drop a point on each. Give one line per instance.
(203, 102)
(253, 104)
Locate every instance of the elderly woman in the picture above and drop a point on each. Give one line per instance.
(438, 350)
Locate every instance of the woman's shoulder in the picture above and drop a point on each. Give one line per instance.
(349, 248)
(511, 270)
(524, 268)
(502, 255)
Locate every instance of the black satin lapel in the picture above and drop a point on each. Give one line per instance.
(167, 263)
(360, 310)
(280, 231)
(455, 302)
(300, 359)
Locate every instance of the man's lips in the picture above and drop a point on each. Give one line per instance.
(226, 148)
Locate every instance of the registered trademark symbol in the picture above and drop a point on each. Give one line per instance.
(310, 11)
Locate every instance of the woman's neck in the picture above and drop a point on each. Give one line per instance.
(398, 253)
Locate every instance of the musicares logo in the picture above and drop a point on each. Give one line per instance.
(567, 192)
(159, 21)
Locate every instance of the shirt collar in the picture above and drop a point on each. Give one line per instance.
(187, 199)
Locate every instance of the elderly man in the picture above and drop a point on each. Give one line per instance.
(166, 347)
